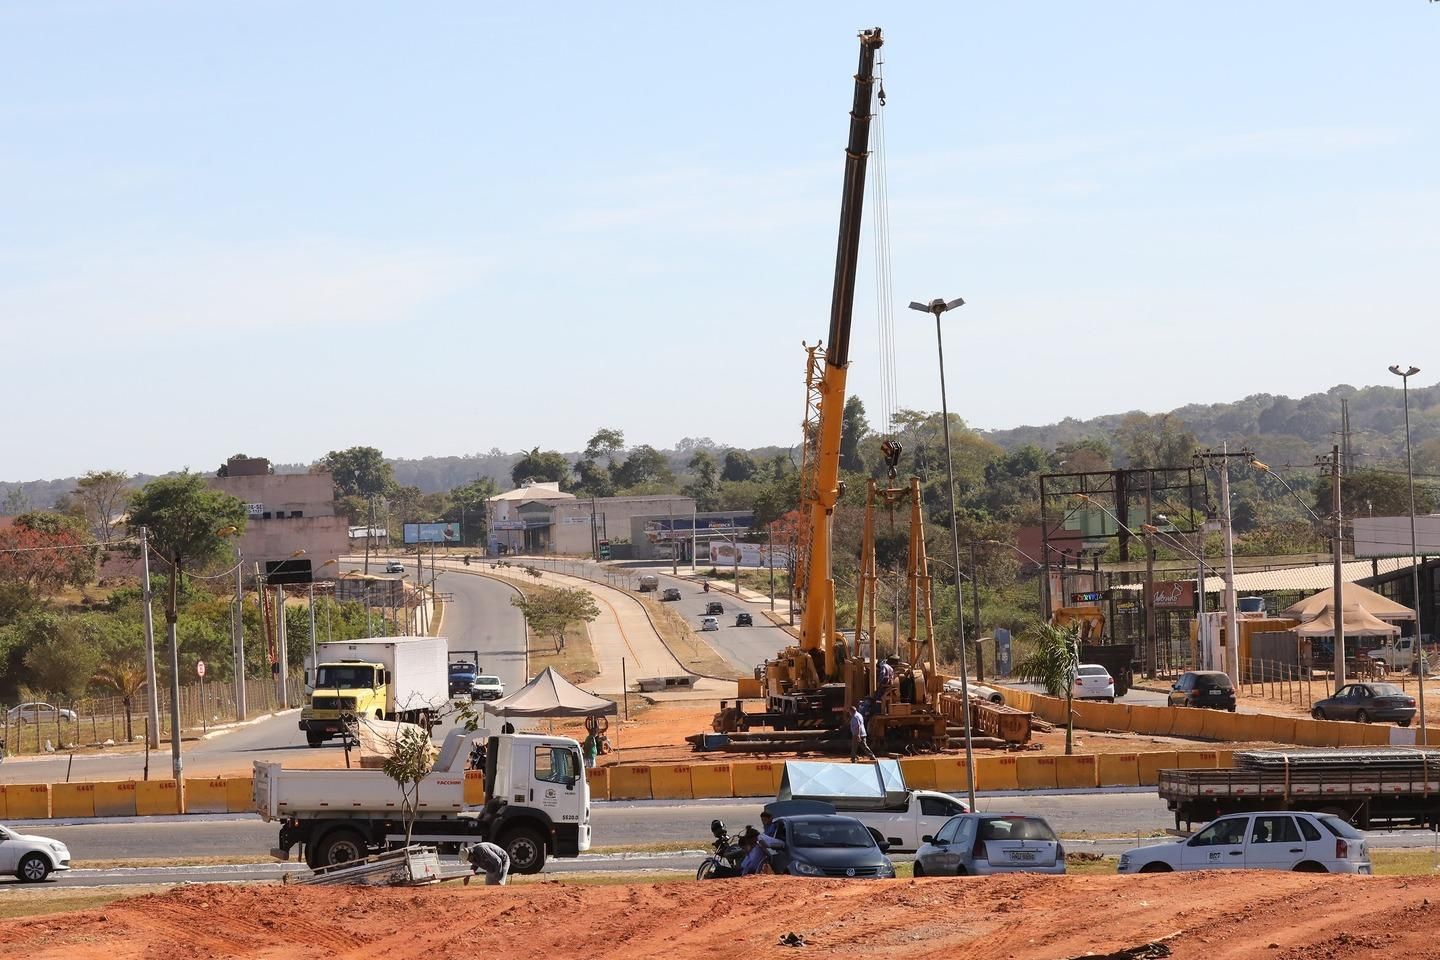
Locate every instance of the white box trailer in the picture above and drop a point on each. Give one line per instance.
(389, 678)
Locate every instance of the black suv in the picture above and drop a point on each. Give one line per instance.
(714, 608)
(1203, 688)
(744, 620)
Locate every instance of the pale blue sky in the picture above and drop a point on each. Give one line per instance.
(533, 220)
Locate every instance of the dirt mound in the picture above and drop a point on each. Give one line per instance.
(1209, 915)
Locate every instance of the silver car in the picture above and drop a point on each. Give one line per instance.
(980, 844)
(38, 713)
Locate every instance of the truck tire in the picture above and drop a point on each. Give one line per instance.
(340, 846)
(1157, 867)
(33, 869)
(315, 739)
(526, 849)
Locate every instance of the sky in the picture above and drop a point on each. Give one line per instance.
(442, 228)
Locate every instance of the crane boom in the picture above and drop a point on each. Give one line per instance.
(817, 624)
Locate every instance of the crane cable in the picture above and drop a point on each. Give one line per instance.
(884, 297)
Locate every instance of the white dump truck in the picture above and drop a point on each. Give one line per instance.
(535, 803)
(391, 678)
(873, 793)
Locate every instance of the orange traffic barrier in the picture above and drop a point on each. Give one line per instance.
(27, 801)
(671, 782)
(950, 773)
(711, 780)
(1078, 771)
(1189, 722)
(1195, 760)
(1224, 759)
(630, 782)
(115, 798)
(206, 796)
(1282, 730)
(472, 792)
(751, 778)
(1035, 772)
(599, 780)
(156, 797)
(1150, 764)
(995, 773)
(72, 800)
(920, 772)
(1117, 770)
(240, 794)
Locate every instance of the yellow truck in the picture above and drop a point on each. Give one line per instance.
(391, 678)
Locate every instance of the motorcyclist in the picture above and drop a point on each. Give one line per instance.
(706, 586)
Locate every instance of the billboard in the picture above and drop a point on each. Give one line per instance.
(1174, 595)
(750, 554)
(432, 533)
(1390, 536)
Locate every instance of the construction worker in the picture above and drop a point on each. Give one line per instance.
(859, 737)
(493, 859)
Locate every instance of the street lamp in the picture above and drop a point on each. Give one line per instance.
(938, 307)
(237, 629)
(1405, 376)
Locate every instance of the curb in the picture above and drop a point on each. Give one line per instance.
(230, 727)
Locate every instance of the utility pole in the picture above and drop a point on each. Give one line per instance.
(283, 677)
(670, 536)
(314, 656)
(1153, 657)
(240, 704)
(975, 630)
(1232, 618)
(152, 689)
(172, 617)
(1337, 605)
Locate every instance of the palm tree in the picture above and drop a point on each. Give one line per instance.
(127, 678)
(1053, 662)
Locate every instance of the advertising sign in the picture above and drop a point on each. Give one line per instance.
(1175, 595)
(751, 555)
(432, 533)
(1002, 651)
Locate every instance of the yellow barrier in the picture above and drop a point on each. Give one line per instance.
(711, 780)
(599, 780)
(1282, 730)
(1078, 771)
(1117, 770)
(995, 773)
(1195, 759)
(206, 796)
(1220, 725)
(115, 798)
(155, 797)
(1149, 765)
(950, 773)
(27, 801)
(671, 782)
(72, 800)
(240, 794)
(748, 688)
(920, 772)
(4, 807)
(1377, 735)
(472, 792)
(1152, 721)
(1224, 759)
(752, 778)
(1189, 722)
(1035, 773)
(630, 782)
(1122, 718)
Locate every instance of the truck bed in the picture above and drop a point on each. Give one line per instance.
(278, 793)
(1319, 784)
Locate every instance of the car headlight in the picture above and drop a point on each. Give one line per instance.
(1124, 860)
(806, 869)
(887, 870)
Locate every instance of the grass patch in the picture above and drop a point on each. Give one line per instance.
(32, 902)
(575, 661)
(133, 862)
(690, 648)
(659, 846)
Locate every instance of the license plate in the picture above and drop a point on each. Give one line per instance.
(1026, 856)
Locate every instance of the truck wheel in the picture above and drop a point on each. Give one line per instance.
(526, 849)
(1156, 868)
(340, 846)
(314, 739)
(33, 869)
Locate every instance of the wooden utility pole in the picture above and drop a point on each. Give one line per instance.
(1154, 654)
(1337, 605)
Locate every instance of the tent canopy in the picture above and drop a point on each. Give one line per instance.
(1353, 595)
(878, 784)
(1357, 622)
(550, 695)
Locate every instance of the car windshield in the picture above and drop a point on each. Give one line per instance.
(1015, 828)
(331, 677)
(1340, 828)
(829, 833)
(459, 667)
(488, 681)
(1094, 672)
(1386, 690)
(1216, 681)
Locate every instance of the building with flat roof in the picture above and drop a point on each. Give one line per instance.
(540, 518)
(286, 513)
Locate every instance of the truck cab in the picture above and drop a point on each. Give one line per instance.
(1399, 655)
(344, 688)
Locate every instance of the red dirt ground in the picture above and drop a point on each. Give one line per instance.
(1210, 915)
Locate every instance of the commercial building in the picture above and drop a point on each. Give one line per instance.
(683, 535)
(540, 518)
(287, 513)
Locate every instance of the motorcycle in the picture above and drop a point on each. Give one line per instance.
(725, 861)
(706, 586)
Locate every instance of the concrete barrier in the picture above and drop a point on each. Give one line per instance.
(1079, 771)
(671, 782)
(156, 797)
(994, 773)
(240, 794)
(27, 801)
(630, 782)
(1152, 721)
(115, 798)
(72, 800)
(1195, 759)
(1150, 764)
(1282, 729)
(599, 780)
(950, 773)
(920, 772)
(472, 792)
(1224, 759)
(1189, 722)
(1033, 772)
(1117, 770)
(207, 796)
(755, 778)
(711, 780)
(4, 806)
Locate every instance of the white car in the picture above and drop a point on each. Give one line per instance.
(38, 713)
(487, 688)
(394, 566)
(981, 844)
(1304, 842)
(31, 859)
(709, 623)
(1094, 682)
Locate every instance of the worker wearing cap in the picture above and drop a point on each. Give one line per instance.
(493, 859)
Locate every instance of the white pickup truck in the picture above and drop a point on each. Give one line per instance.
(875, 794)
(540, 805)
(1399, 655)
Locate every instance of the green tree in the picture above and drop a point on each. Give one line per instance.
(1367, 492)
(121, 671)
(63, 658)
(607, 442)
(1156, 441)
(359, 472)
(46, 552)
(644, 466)
(704, 488)
(738, 466)
(853, 431)
(102, 494)
(551, 611)
(548, 467)
(410, 760)
(1053, 661)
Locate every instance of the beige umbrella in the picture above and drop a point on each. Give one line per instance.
(1358, 623)
(1352, 595)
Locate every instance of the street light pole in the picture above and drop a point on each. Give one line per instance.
(1405, 376)
(938, 307)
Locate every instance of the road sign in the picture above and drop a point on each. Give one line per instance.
(199, 668)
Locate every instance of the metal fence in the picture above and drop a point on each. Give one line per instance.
(104, 721)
